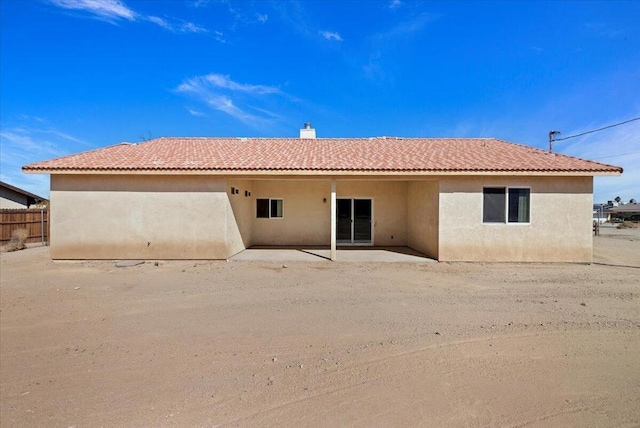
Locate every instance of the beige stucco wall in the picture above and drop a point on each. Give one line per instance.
(197, 217)
(306, 216)
(422, 216)
(240, 216)
(560, 228)
(389, 207)
(141, 217)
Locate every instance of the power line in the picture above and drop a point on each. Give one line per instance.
(615, 156)
(589, 132)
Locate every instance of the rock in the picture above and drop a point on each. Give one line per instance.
(437, 333)
(583, 304)
(284, 266)
(156, 264)
(275, 360)
(76, 288)
(128, 263)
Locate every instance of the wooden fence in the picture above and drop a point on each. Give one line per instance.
(35, 221)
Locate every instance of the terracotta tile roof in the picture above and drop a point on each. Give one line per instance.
(382, 154)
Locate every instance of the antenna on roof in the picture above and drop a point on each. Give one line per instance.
(552, 134)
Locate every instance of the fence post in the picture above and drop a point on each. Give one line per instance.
(42, 225)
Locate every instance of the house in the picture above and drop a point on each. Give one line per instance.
(12, 197)
(453, 199)
(630, 211)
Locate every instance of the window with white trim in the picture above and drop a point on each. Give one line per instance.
(506, 205)
(269, 208)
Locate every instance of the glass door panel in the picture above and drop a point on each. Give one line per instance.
(343, 218)
(362, 220)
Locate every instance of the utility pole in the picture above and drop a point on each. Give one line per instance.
(551, 135)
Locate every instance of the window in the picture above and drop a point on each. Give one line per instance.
(502, 205)
(519, 205)
(494, 199)
(269, 208)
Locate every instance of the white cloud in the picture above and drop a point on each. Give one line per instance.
(407, 27)
(190, 27)
(221, 93)
(115, 10)
(225, 82)
(195, 113)
(373, 69)
(262, 18)
(331, 35)
(106, 9)
(395, 4)
(160, 22)
(200, 3)
(219, 36)
(21, 145)
(180, 27)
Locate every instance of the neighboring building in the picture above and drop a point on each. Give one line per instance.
(630, 211)
(12, 197)
(453, 199)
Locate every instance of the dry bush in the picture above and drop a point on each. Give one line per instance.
(628, 225)
(18, 239)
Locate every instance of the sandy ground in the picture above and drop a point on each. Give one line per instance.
(322, 344)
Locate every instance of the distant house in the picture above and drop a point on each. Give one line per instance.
(12, 197)
(453, 199)
(629, 211)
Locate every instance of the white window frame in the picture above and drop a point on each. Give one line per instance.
(506, 206)
(269, 208)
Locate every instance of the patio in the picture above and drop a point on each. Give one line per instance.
(323, 254)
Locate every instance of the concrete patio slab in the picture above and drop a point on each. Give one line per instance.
(322, 254)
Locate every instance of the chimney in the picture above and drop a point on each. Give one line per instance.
(307, 132)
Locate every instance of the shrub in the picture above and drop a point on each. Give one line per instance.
(18, 239)
(628, 225)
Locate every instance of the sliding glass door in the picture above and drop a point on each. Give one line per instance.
(354, 221)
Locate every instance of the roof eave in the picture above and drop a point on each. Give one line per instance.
(317, 172)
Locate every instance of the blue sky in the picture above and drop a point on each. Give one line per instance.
(81, 74)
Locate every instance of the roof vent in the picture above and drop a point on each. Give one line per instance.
(307, 132)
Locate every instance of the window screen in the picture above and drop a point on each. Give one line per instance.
(276, 208)
(493, 205)
(262, 208)
(519, 205)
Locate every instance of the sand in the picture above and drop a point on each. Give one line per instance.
(322, 344)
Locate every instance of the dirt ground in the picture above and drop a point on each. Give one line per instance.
(322, 344)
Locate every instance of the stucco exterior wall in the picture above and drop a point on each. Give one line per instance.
(197, 217)
(306, 216)
(240, 216)
(423, 216)
(140, 217)
(389, 207)
(559, 231)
